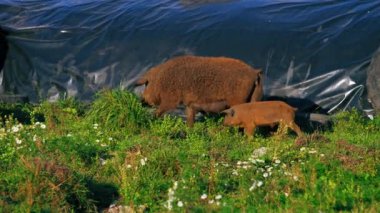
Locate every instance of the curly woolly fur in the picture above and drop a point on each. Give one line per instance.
(209, 84)
(263, 113)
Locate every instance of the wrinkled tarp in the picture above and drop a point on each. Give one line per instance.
(314, 53)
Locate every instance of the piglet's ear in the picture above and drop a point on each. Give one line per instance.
(230, 112)
(227, 111)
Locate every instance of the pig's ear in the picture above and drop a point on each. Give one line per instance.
(141, 81)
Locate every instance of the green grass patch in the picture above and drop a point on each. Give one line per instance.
(69, 156)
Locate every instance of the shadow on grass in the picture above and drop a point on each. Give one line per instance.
(20, 112)
(103, 194)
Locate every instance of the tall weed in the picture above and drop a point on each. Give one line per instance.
(118, 109)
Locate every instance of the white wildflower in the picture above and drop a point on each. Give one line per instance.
(265, 175)
(171, 198)
(312, 151)
(110, 139)
(204, 196)
(15, 129)
(259, 152)
(238, 163)
(210, 201)
(180, 204)
(277, 161)
(302, 149)
(103, 145)
(269, 169)
(69, 135)
(322, 155)
(96, 126)
(97, 140)
(218, 197)
(175, 185)
(217, 203)
(253, 187)
(35, 138)
(43, 126)
(143, 161)
(18, 141)
(102, 161)
(129, 166)
(169, 205)
(295, 178)
(235, 172)
(286, 194)
(260, 161)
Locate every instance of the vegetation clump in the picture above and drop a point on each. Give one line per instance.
(115, 155)
(117, 109)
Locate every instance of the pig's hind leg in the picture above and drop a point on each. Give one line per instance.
(292, 125)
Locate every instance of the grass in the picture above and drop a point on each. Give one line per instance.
(65, 156)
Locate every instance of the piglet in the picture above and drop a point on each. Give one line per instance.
(264, 113)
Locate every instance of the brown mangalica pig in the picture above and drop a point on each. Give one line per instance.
(209, 84)
(264, 113)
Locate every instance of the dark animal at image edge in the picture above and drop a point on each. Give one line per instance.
(264, 113)
(208, 84)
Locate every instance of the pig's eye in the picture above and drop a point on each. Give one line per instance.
(232, 112)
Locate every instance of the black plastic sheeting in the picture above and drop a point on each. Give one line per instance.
(314, 54)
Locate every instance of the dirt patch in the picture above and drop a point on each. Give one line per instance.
(352, 156)
(37, 165)
(314, 138)
(349, 162)
(132, 156)
(351, 148)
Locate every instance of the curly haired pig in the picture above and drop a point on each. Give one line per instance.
(264, 113)
(209, 84)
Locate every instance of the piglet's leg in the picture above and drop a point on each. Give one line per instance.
(295, 128)
(190, 116)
